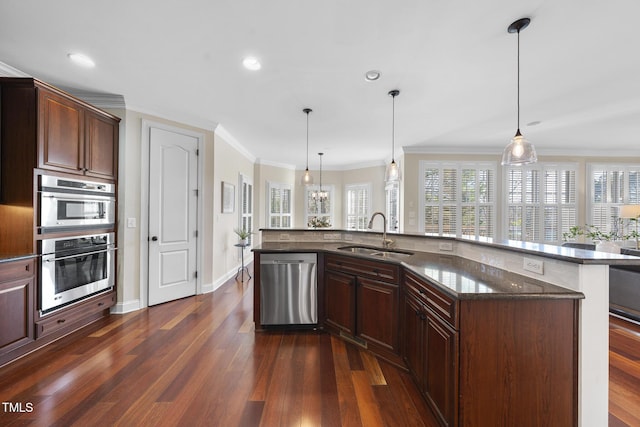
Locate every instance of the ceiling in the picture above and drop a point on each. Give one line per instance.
(453, 62)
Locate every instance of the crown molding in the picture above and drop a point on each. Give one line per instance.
(497, 151)
(232, 141)
(276, 164)
(7, 70)
(100, 100)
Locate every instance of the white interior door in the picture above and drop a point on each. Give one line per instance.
(173, 218)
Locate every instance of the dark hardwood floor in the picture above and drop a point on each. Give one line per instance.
(624, 373)
(198, 361)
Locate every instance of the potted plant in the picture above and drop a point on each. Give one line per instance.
(243, 235)
(575, 232)
(605, 242)
(319, 222)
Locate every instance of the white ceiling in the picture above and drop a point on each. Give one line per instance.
(453, 62)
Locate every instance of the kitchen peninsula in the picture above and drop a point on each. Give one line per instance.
(491, 330)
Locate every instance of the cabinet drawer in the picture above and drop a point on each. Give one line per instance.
(16, 270)
(440, 303)
(55, 322)
(375, 269)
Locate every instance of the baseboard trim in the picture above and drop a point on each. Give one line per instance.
(126, 307)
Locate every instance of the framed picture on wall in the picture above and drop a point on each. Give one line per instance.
(228, 197)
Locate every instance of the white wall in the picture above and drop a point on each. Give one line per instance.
(228, 164)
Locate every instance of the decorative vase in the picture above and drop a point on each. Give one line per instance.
(608, 246)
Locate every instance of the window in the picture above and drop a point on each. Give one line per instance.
(392, 206)
(458, 199)
(246, 199)
(279, 205)
(318, 213)
(609, 187)
(540, 202)
(358, 203)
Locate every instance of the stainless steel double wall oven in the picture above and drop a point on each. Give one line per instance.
(78, 260)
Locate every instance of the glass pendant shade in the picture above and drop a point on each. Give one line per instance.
(519, 152)
(392, 174)
(307, 178)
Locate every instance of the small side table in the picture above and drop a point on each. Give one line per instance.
(242, 268)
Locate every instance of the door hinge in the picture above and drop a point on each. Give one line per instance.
(197, 151)
(196, 274)
(196, 233)
(197, 192)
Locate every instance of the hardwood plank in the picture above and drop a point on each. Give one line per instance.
(367, 403)
(408, 401)
(349, 412)
(330, 401)
(373, 370)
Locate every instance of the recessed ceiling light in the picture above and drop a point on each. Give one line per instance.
(251, 63)
(372, 75)
(82, 60)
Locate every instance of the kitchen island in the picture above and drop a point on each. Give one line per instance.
(547, 305)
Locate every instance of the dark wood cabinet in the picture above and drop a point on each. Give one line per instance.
(440, 374)
(16, 304)
(377, 313)
(74, 138)
(74, 316)
(413, 319)
(491, 361)
(361, 301)
(58, 131)
(101, 146)
(340, 296)
(430, 346)
(44, 130)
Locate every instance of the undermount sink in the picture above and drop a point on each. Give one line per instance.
(379, 252)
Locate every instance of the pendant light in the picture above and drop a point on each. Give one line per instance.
(519, 151)
(392, 174)
(307, 178)
(320, 194)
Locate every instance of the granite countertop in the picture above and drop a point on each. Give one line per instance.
(457, 276)
(13, 257)
(562, 253)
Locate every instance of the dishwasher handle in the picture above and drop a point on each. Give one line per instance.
(290, 261)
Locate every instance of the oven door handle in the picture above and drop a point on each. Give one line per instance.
(77, 197)
(79, 255)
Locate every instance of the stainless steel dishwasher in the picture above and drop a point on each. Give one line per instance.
(288, 289)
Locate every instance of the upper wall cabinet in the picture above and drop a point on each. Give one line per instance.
(47, 128)
(75, 139)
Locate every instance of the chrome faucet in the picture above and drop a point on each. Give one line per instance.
(385, 243)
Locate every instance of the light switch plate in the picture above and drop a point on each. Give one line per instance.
(445, 246)
(533, 265)
(131, 223)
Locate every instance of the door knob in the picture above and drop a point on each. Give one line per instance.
(154, 238)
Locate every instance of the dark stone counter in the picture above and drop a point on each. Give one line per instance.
(457, 276)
